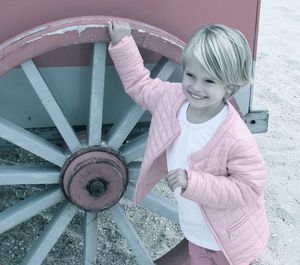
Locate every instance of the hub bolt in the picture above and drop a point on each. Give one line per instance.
(97, 188)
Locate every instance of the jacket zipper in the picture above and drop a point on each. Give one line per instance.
(159, 153)
(164, 148)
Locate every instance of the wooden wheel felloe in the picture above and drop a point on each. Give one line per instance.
(93, 174)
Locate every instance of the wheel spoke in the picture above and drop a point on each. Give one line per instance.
(50, 235)
(97, 92)
(28, 208)
(129, 233)
(123, 126)
(50, 104)
(156, 204)
(135, 148)
(134, 171)
(28, 175)
(163, 69)
(90, 238)
(31, 142)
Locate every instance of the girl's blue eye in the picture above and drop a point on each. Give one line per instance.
(209, 81)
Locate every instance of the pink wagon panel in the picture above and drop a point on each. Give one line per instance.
(179, 18)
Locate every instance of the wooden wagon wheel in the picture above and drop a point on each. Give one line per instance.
(93, 176)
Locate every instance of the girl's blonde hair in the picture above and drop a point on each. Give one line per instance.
(224, 53)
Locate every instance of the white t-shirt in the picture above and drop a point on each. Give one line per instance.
(191, 139)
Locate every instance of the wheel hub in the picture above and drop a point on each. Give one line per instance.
(94, 178)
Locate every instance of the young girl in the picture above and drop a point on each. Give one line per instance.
(199, 142)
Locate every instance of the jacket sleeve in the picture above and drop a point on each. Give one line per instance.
(244, 184)
(134, 76)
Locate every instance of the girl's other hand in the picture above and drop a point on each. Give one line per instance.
(177, 178)
(118, 30)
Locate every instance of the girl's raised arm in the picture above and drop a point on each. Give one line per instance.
(129, 64)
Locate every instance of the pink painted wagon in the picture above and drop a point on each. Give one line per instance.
(61, 99)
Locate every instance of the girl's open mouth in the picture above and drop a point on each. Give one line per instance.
(197, 97)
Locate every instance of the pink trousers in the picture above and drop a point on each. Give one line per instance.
(202, 256)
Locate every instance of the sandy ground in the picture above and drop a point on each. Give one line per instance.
(276, 89)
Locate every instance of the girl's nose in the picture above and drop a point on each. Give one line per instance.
(197, 87)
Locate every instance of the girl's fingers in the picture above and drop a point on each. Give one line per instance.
(113, 23)
(171, 178)
(174, 174)
(174, 186)
(171, 174)
(121, 23)
(176, 179)
(172, 182)
(110, 27)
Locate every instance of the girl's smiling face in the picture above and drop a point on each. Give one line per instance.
(204, 93)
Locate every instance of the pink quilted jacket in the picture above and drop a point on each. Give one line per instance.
(226, 178)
